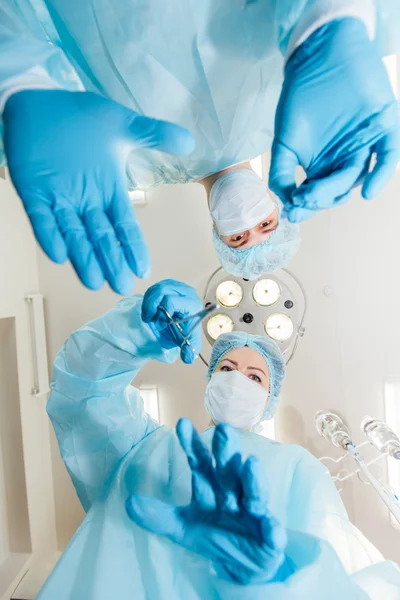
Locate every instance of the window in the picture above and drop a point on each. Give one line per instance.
(390, 63)
(268, 429)
(150, 400)
(256, 165)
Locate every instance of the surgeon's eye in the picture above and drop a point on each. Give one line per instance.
(268, 226)
(237, 238)
(255, 378)
(226, 368)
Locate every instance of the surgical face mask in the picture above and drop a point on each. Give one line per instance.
(239, 201)
(233, 398)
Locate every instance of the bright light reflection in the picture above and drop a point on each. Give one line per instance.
(279, 327)
(266, 292)
(229, 294)
(219, 324)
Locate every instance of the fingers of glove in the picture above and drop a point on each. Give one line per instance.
(157, 292)
(189, 353)
(273, 533)
(155, 516)
(160, 135)
(387, 158)
(45, 228)
(80, 250)
(321, 193)
(318, 194)
(108, 251)
(186, 303)
(226, 451)
(298, 215)
(129, 234)
(255, 487)
(180, 307)
(200, 463)
(282, 171)
(369, 132)
(170, 309)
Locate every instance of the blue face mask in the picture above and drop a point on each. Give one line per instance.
(267, 257)
(233, 398)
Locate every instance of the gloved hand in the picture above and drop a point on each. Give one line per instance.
(180, 301)
(335, 111)
(67, 152)
(227, 521)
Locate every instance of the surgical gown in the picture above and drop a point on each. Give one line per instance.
(214, 67)
(113, 449)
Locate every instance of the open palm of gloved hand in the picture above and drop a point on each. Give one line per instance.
(336, 110)
(67, 153)
(227, 521)
(180, 301)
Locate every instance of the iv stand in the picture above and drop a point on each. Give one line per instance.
(332, 428)
(385, 492)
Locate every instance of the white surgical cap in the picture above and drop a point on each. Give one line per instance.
(239, 201)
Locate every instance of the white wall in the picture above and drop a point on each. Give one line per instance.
(351, 340)
(25, 416)
(351, 343)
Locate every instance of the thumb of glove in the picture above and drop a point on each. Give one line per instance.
(188, 356)
(160, 135)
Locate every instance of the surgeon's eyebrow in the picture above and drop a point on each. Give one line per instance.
(231, 361)
(256, 369)
(248, 368)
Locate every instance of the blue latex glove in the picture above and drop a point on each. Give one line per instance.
(336, 109)
(227, 521)
(180, 300)
(67, 152)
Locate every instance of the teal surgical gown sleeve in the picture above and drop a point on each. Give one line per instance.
(26, 45)
(32, 57)
(97, 415)
(218, 72)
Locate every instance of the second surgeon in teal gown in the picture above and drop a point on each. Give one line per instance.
(177, 543)
(216, 69)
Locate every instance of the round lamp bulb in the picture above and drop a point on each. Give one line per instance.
(279, 327)
(266, 292)
(229, 294)
(218, 324)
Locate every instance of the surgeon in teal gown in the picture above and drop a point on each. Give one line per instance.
(118, 457)
(218, 69)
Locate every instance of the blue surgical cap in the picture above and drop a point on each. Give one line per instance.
(267, 257)
(268, 350)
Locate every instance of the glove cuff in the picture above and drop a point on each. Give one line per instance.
(33, 79)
